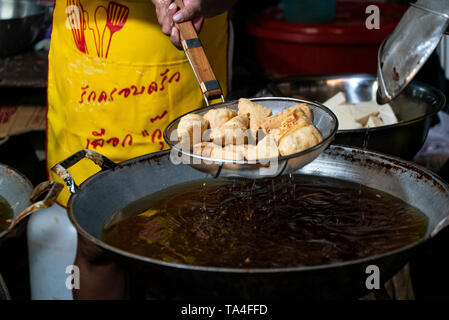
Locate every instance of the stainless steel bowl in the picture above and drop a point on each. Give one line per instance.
(414, 108)
(20, 23)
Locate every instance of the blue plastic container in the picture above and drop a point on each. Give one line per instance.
(308, 11)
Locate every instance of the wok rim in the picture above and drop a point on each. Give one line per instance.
(367, 76)
(442, 224)
(249, 163)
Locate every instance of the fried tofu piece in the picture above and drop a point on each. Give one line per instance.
(305, 108)
(237, 122)
(275, 121)
(267, 148)
(191, 128)
(204, 148)
(249, 151)
(255, 112)
(218, 117)
(298, 139)
(287, 132)
(229, 152)
(247, 108)
(294, 120)
(232, 132)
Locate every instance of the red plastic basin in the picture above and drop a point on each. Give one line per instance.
(286, 48)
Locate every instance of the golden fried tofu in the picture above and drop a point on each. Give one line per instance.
(191, 127)
(298, 139)
(229, 152)
(249, 151)
(275, 121)
(233, 136)
(305, 108)
(204, 148)
(218, 117)
(232, 132)
(267, 148)
(239, 122)
(255, 112)
(295, 120)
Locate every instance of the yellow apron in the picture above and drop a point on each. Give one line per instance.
(115, 81)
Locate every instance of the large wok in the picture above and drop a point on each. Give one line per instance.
(117, 185)
(414, 108)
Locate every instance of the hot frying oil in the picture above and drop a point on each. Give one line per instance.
(286, 222)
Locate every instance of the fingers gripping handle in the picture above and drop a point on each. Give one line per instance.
(194, 51)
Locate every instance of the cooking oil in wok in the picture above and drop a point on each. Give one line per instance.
(263, 224)
(6, 214)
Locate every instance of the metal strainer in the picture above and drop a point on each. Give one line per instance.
(324, 120)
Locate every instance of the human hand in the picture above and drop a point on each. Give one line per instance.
(165, 11)
(194, 10)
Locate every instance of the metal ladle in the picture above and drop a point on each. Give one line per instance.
(405, 51)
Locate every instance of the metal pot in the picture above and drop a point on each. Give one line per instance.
(100, 196)
(20, 23)
(414, 108)
(20, 195)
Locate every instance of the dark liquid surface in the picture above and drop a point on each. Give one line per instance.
(6, 214)
(285, 222)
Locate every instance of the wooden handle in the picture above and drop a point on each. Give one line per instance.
(198, 59)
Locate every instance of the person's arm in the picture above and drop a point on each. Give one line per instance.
(196, 10)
